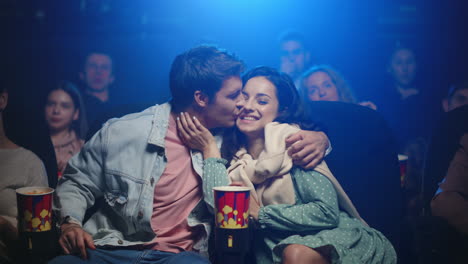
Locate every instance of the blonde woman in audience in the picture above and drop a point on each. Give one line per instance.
(66, 118)
(323, 83)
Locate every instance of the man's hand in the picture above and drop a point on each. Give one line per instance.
(307, 148)
(74, 240)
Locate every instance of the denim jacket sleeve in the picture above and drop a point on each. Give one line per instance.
(82, 182)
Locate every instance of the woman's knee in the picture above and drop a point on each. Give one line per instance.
(296, 253)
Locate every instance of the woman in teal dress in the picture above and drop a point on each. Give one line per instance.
(302, 216)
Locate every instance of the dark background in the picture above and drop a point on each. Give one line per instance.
(44, 41)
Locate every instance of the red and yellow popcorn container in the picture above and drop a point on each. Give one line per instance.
(34, 209)
(231, 207)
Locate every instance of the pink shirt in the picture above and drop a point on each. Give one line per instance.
(175, 195)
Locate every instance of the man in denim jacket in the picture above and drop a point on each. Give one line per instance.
(153, 207)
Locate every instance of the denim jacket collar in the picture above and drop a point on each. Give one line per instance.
(159, 125)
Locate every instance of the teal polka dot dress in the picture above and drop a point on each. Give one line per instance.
(315, 220)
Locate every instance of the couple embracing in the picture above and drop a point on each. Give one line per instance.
(154, 172)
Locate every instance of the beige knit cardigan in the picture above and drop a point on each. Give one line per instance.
(270, 173)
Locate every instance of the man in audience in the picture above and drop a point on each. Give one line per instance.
(294, 55)
(155, 208)
(97, 76)
(457, 96)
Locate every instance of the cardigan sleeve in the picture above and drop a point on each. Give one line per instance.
(214, 174)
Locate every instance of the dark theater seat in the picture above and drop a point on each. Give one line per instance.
(364, 160)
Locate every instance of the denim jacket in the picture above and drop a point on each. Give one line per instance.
(122, 163)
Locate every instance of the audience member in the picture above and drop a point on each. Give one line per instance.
(323, 83)
(410, 107)
(446, 144)
(294, 54)
(154, 208)
(303, 216)
(25, 123)
(66, 117)
(444, 159)
(402, 67)
(450, 200)
(19, 167)
(456, 97)
(405, 101)
(97, 77)
(445, 237)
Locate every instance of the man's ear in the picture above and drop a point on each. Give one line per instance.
(201, 99)
(445, 105)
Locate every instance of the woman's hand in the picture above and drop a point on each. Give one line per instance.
(254, 206)
(196, 136)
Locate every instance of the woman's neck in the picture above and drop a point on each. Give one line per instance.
(58, 137)
(255, 146)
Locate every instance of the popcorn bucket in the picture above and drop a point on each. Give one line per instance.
(34, 209)
(231, 207)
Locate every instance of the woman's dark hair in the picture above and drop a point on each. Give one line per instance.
(290, 108)
(80, 126)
